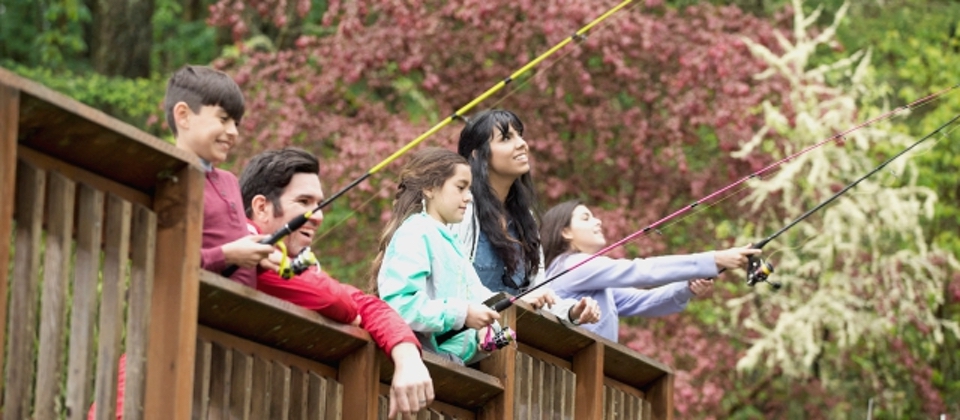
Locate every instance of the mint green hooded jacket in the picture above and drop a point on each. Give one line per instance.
(428, 280)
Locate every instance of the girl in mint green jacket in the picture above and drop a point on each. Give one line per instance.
(421, 271)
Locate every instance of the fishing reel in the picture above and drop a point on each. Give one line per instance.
(498, 340)
(759, 270)
(297, 265)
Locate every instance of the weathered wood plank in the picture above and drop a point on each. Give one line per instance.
(452, 384)
(79, 175)
(60, 126)
(9, 129)
(116, 250)
(261, 390)
(84, 309)
(502, 365)
(221, 366)
(31, 184)
(178, 204)
(142, 266)
(61, 194)
(201, 383)
(280, 395)
(524, 387)
(242, 373)
(660, 396)
(316, 396)
(588, 366)
(299, 383)
(359, 373)
(244, 312)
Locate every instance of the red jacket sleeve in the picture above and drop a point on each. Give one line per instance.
(314, 290)
(382, 322)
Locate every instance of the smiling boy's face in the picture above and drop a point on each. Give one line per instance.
(210, 133)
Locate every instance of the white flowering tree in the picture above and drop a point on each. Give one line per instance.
(859, 275)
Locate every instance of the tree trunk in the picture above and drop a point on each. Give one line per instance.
(122, 37)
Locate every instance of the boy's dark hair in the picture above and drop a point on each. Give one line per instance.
(198, 86)
(268, 174)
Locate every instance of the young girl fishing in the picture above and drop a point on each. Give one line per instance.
(420, 269)
(571, 234)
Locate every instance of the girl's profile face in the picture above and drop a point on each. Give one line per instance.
(508, 154)
(448, 202)
(585, 232)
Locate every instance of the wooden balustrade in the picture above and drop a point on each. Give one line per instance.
(102, 259)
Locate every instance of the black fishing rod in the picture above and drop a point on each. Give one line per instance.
(758, 270)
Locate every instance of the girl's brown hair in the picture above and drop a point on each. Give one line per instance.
(552, 224)
(427, 168)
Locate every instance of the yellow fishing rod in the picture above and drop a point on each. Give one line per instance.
(298, 222)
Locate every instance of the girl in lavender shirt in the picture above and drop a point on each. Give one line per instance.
(570, 234)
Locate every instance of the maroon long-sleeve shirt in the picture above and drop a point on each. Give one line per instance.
(224, 221)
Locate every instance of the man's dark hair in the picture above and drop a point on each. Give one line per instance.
(268, 174)
(198, 86)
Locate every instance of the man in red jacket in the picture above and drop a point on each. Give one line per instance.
(278, 185)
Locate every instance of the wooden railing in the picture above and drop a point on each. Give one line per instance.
(104, 224)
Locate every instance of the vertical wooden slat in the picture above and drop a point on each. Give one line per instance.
(83, 312)
(116, 250)
(334, 401)
(143, 248)
(606, 403)
(548, 393)
(178, 204)
(31, 184)
(647, 410)
(221, 365)
(588, 366)
(536, 395)
(316, 396)
(60, 199)
(260, 389)
(201, 390)
(298, 401)
(502, 365)
(360, 375)
(280, 392)
(570, 394)
(384, 407)
(523, 388)
(9, 126)
(660, 396)
(240, 386)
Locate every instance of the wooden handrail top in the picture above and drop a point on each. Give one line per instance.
(545, 332)
(64, 128)
(453, 384)
(247, 313)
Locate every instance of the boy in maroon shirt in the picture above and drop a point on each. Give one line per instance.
(278, 185)
(203, 108)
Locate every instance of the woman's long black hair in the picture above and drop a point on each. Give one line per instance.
(520, 204)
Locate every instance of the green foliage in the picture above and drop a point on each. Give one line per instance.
(177, 41)
(46, 33)
(131, 100)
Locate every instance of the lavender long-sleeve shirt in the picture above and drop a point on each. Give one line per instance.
(614, 282)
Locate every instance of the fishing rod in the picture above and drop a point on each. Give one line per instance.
(758, 270)
(299, 221)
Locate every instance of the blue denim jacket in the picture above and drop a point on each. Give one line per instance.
(492, 270)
